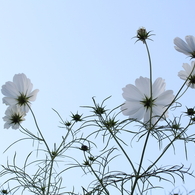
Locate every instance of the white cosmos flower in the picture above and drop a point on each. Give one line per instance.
(19, 92)
(184, 74)
(186, 48)
(138, 99)
(14, 115)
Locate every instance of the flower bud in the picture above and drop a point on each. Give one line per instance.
(142, 35)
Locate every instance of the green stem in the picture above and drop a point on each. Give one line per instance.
(151, 91)
(166, 148)
(46, 145)
(100, 180)
(43, 139)
(49, 178)
(175, 98)
(150, 124)
(123, 151)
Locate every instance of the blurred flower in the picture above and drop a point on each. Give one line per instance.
(14, 115)
(188, 72)
(139, 101)
(19, 91)
(189, 48)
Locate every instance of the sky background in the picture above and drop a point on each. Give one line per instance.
(75, 50)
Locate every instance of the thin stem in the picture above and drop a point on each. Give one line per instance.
(151, 90)
(60, 147)
(166, 148)
(150, 65)
(150, 124)
(123, 151)
(175, 98)
(51, 156)
(43, 139)
(31, 135)
(49, 178)
(100, 180)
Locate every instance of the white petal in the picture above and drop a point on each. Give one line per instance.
(131, 93)
(12, 110)
(33, 95)
(9, 101)
(9, 89)
(181, 45)
(187, 68)
(165, 98)
(157, 110)
(158, 87)
(191, 42)
(182, 74)
(133, 110)
(143, 84)
(147, 116)
(134, 95)
(20, 85)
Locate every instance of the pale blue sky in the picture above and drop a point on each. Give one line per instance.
(74, 50)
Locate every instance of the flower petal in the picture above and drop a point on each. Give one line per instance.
(181, 46)
(158, 87)
(143, 84)
(191, 42)
(137, 95)
(19, 91)
(132, 93)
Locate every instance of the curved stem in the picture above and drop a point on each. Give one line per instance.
(150, 124)
(150, 66)
(43, 139)
(151, 90)
(135, 172)
(46, 145)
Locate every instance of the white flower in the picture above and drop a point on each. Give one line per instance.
(138, 99)
(184, 74)
(14, 115)
(19, 92)
(186, 48)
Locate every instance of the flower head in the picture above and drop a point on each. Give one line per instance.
(186, 48)
(188, 73)
(190, 112)
(139, 101)
(19, 92)
(142, 35)
(14, 115)
(76, 117)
